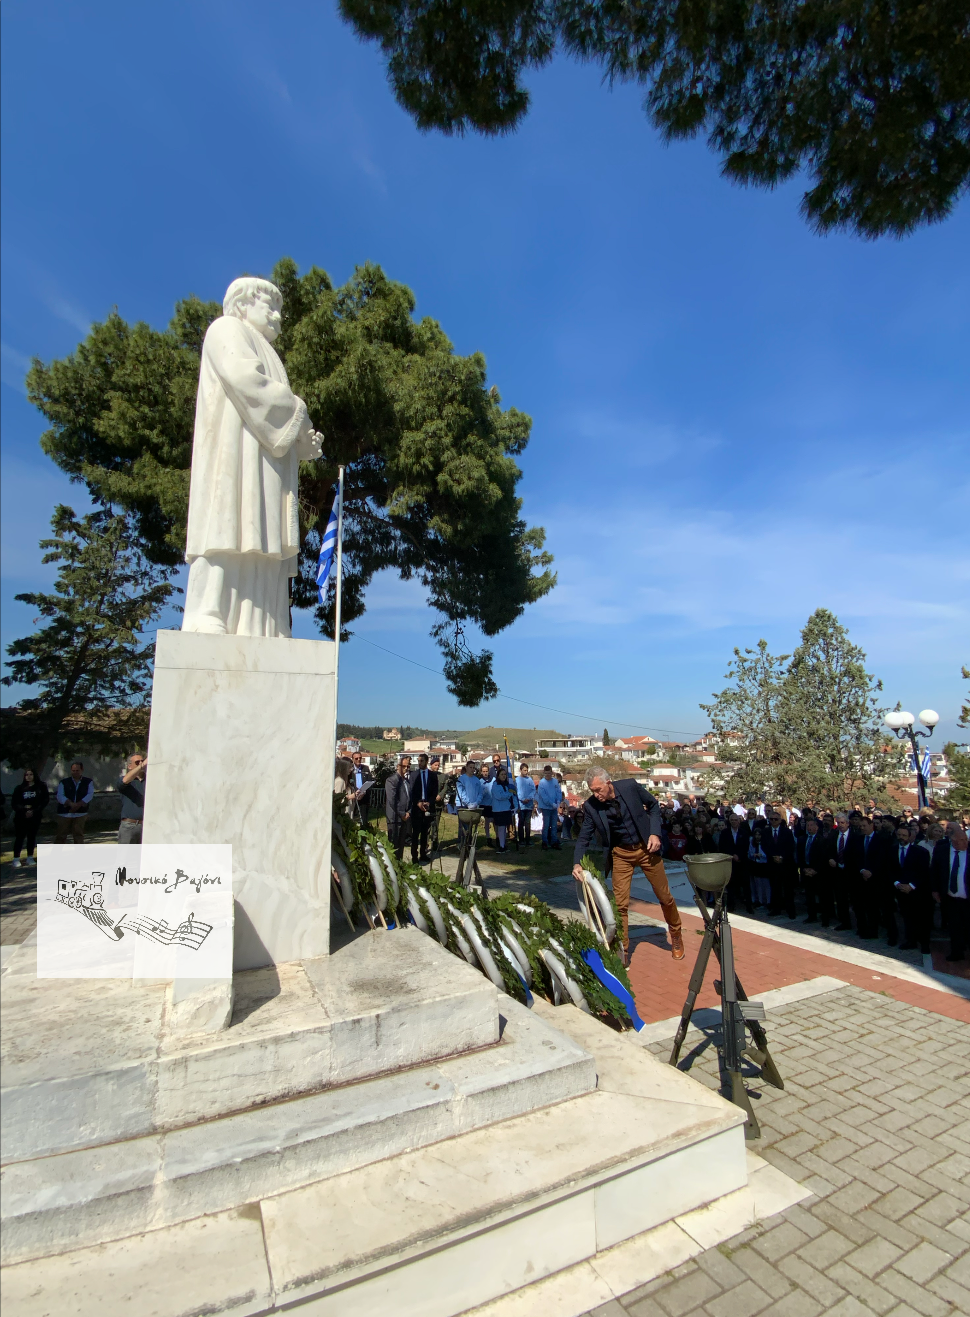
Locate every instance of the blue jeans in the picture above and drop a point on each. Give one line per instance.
(550, 827)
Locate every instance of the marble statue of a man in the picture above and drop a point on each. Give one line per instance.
(251, 432)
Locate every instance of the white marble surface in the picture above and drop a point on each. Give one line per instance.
(468, 1219)
(88, 1063)
(241, 726)
(94, 1194)
(213, 1265)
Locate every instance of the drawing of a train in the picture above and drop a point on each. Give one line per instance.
(87, 898)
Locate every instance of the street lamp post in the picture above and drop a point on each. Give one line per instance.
(901, 723)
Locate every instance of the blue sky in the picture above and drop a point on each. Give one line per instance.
(735, 421)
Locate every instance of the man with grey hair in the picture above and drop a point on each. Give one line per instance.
(251, 433)
(625, 819)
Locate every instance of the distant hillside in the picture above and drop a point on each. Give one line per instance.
(521, 739)
(488, 738)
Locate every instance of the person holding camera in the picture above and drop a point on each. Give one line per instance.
(131, 788)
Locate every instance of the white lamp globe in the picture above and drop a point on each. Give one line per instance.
(929, 717)
(905, 719)
(894, 720)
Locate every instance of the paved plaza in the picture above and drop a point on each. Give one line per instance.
(875, 1120)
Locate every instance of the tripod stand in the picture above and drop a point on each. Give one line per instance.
(737, 1012)
(469, 821)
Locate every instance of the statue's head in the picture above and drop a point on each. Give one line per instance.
(256, 301)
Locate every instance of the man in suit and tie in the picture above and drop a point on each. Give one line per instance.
(811, 860)
(951, 886)
(397, 805)
(841, 860)
(361, 781)
(778, 844)
(734, 841)
(909, 871)
(423, 784)
(871, 895)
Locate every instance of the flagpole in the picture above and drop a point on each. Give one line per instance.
(337, 588)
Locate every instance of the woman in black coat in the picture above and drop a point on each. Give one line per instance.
(29, 800)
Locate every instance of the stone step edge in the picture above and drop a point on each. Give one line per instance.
(614, 1272)
(572, 1075)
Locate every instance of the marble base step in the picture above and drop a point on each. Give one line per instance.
(435, 1231)
(89, 1062)
(91, 1195)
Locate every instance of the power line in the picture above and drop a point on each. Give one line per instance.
(567, 713)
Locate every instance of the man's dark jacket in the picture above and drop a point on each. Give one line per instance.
(397, 798)
(783, 844)
(735, 843)
(940, 866)
(414, 783)
(915, 869)
(366, 780)
(818, 853)
(644, 809)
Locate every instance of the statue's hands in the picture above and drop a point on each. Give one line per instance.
(310, 447)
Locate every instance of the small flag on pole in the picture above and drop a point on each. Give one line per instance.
(328, 545)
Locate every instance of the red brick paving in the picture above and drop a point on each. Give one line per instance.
(660, 983)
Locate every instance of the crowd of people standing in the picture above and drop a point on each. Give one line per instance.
(508, 802)
(872, 871)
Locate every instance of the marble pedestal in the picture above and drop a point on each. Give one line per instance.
(241, 750)
(377, 1134)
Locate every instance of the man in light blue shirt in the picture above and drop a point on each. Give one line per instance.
(525, 789)
(468, 794)
(549, 797)
(470, 788)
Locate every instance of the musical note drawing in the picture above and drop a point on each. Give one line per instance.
(191, 933)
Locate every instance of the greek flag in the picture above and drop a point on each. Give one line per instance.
(328, 546)
(926, 765)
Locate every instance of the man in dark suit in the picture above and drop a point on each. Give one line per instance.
(868, 858)
(778, 844)
(950, 881)
(397, 805)
(841, 862)
(908, 872)
(361, 781)
(811, 859)
(423, 784)
(625, 820)
(734, 841)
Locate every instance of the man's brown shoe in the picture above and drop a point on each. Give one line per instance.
(677, 944)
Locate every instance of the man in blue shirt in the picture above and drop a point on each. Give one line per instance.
(549, 798)
(525, 789)
(468, 794)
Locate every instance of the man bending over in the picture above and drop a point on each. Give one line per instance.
(625, 819)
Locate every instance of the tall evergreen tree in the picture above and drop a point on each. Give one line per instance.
(88, 662)
(430, 487)
(869, 98)
(810, 721)
(750, 705)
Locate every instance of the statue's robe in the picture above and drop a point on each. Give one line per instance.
(243, 528)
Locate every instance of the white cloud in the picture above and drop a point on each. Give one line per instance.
(13, 367)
